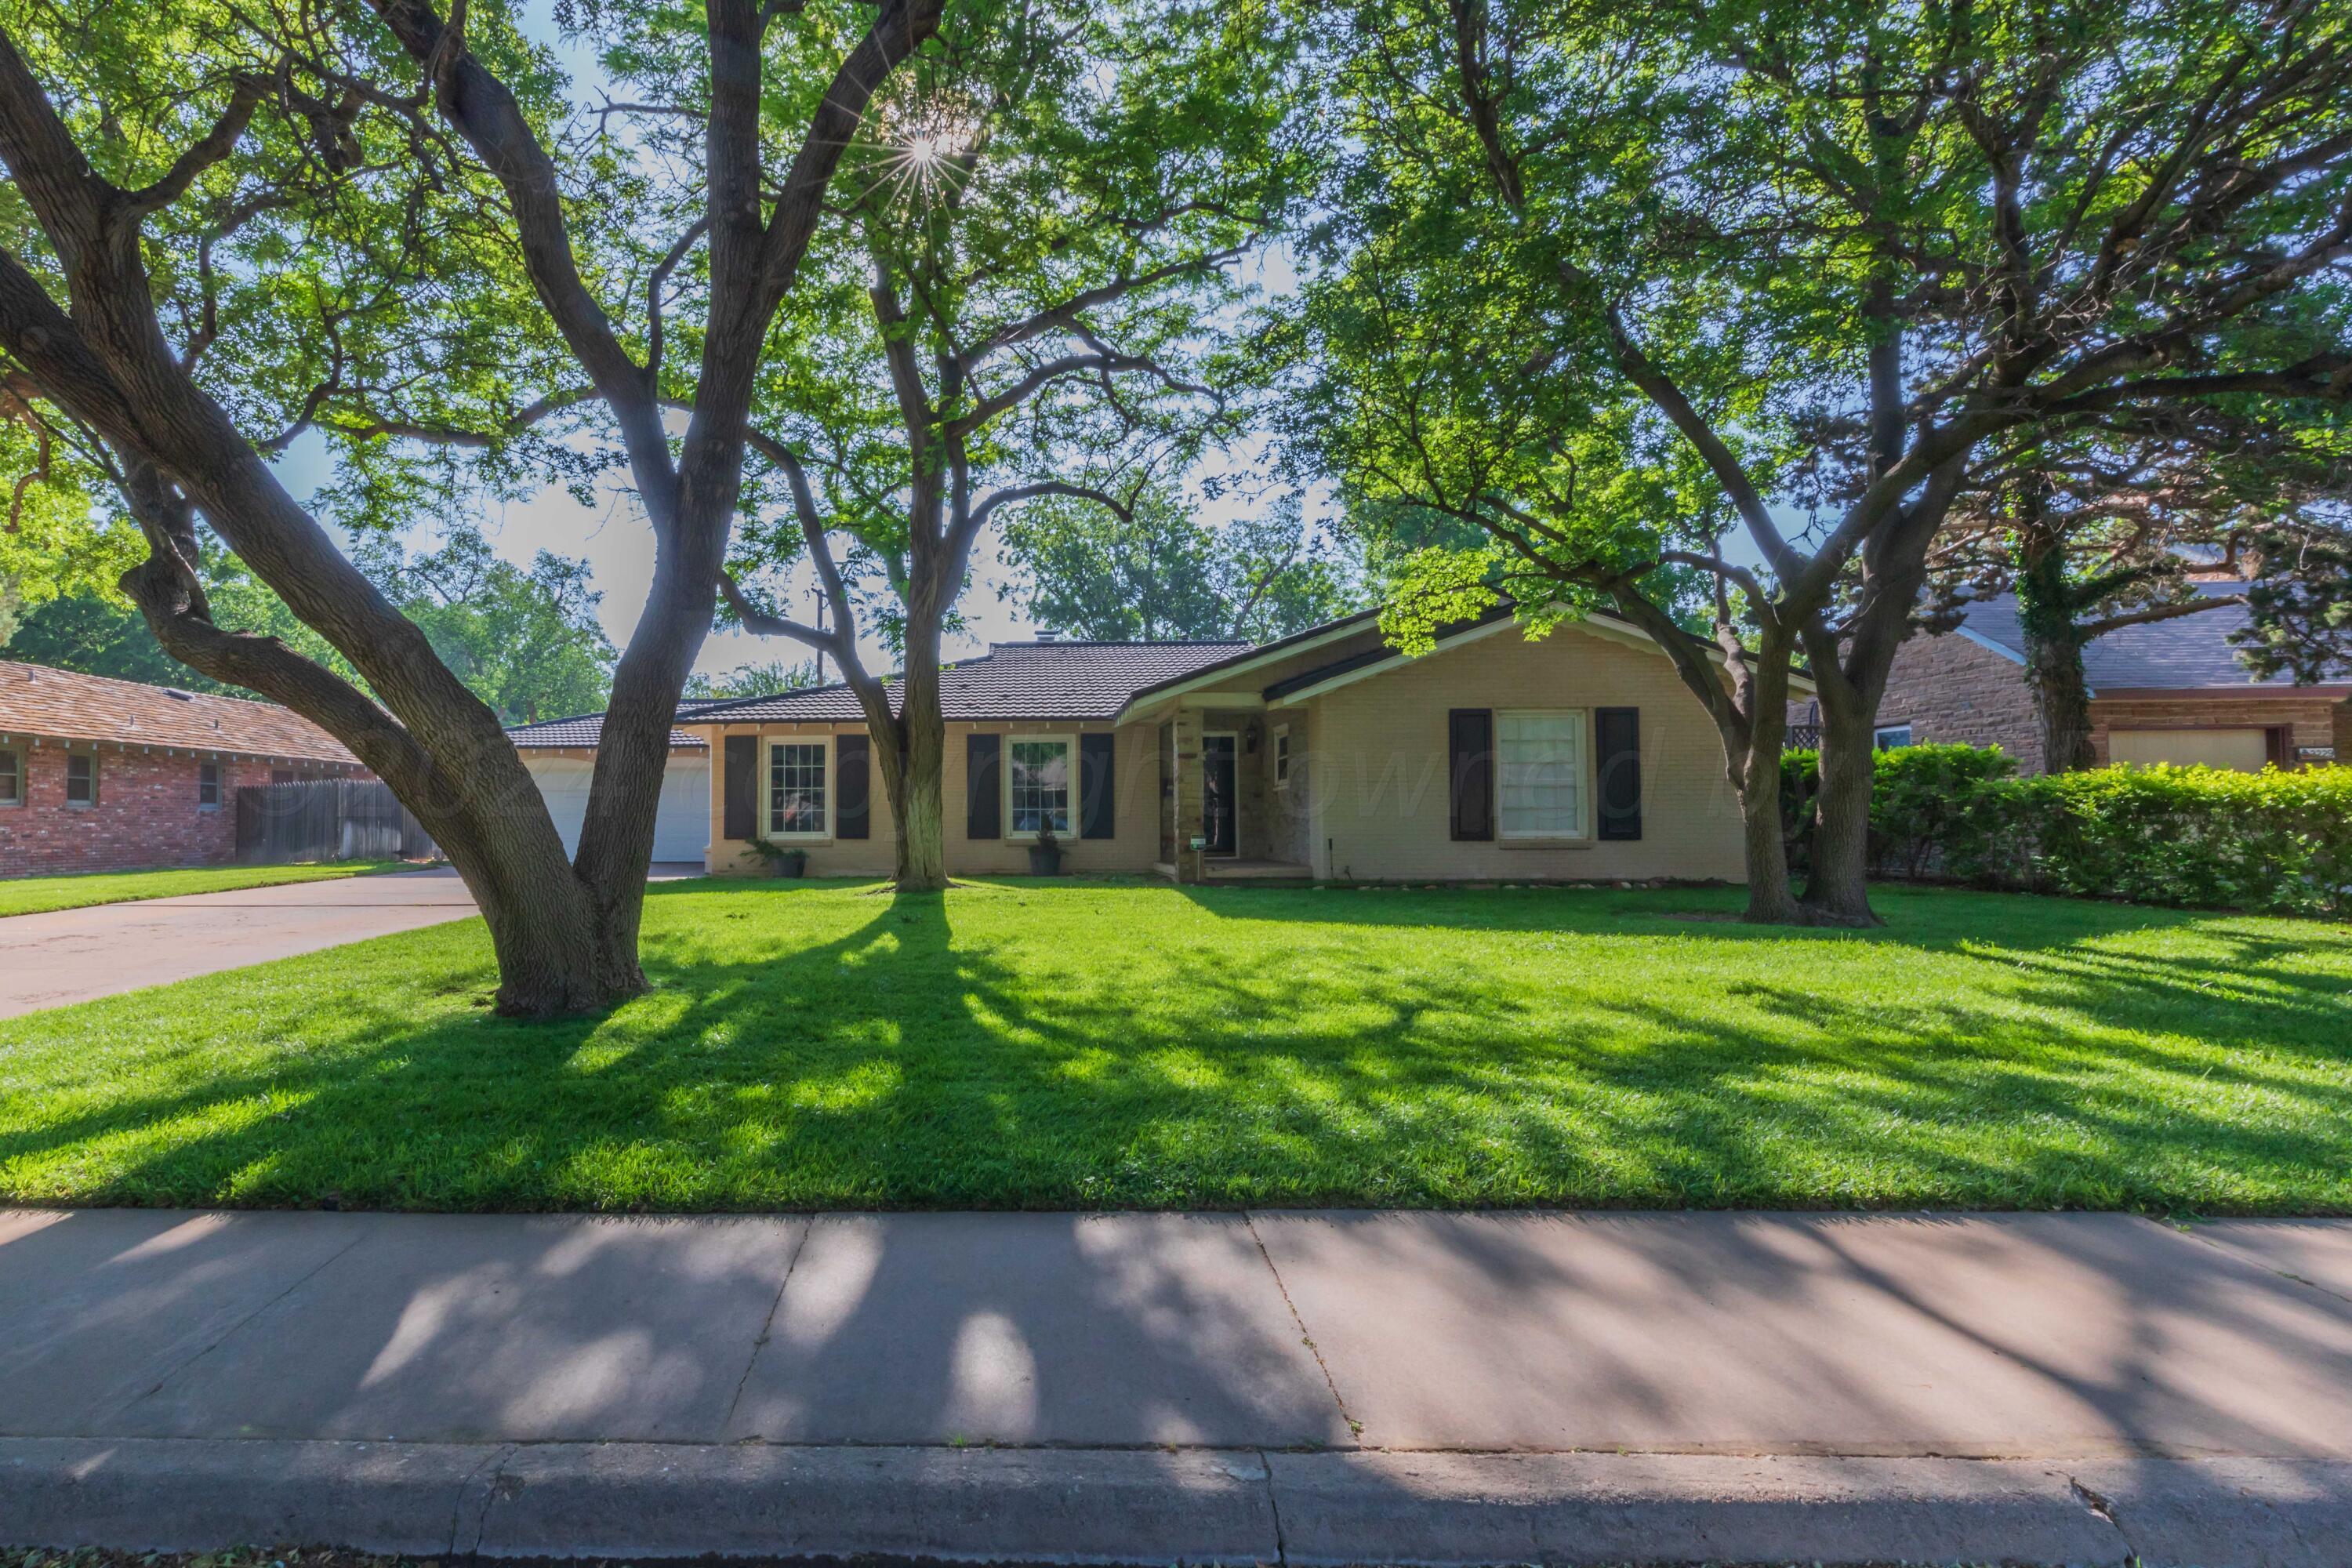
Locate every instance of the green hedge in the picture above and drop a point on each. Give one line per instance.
(2196, 837)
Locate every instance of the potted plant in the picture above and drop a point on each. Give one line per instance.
(1045, 853)
(783, 859)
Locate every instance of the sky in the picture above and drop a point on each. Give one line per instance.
(613, 538)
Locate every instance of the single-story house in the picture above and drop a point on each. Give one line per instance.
(2162, 691)
(97, 774)
(1328, 754)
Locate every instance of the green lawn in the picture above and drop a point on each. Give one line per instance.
(35, 895)
(816, 1046)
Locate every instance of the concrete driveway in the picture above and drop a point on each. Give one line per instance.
(72, 955)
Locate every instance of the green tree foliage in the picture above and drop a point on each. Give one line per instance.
(758, 677)
(1610, 283)
(1158, 573)
(99, 636)
(371, 225)
(526, 641)
(2136, 516)
(1035, 292)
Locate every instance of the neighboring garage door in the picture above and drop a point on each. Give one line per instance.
(682, 828)
(2244, 749)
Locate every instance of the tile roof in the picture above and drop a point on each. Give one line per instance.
(2191, 653)
(36, 699)
(1059, 680)
(585, 729)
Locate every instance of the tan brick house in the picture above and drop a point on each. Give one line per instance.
(1328, 755)
(99, 775)
(2165, 691)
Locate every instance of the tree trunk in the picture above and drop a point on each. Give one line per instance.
(920, 803)
(556, 951)
(1750, 704)
(1837, 890)
(1756, 777)
(2054, 661)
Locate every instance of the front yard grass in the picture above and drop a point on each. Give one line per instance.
(1070, 1044)
(38, 895)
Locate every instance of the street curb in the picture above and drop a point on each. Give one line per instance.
(643, 1500)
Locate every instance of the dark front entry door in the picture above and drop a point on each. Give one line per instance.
(1218, 814)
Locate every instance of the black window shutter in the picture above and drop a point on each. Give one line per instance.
(1097, 806)
(984, 784)
(1617, 738)
(852, 773)
(742, 787)
(1470, 763)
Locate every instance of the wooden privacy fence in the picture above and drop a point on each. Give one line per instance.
(326, 819)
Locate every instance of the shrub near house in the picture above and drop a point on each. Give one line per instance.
(2206, 837)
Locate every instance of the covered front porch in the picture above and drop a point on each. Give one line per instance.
(1229, 808)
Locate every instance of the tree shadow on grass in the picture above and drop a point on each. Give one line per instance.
(875, 1058)
(1933, 918)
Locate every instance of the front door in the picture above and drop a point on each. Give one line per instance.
(1220, 810)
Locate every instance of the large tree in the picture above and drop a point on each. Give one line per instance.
(526, 640)
(1614, 281)
(226, 226)
(2156, 516)
(1156, 572)
(1035, 292)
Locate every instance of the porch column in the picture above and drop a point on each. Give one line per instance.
(1191, 816)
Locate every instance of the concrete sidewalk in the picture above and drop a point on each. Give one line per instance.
(63, 956)
(1304, 1387)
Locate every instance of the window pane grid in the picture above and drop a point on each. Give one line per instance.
(1540, 783)
(12, 779)
(1040, 777)
(797, 788)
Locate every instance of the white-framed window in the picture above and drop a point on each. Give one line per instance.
(1540, 783)
(81, 778)
(207, 786)
(1887, 737)
(799, 804)
(1037, 770)
(1282, 756)
(12, 777)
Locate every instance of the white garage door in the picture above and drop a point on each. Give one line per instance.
(2244, 749)
(682, 828)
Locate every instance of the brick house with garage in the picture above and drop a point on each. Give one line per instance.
(99, 775)
(2163, 691)
(1327, 756)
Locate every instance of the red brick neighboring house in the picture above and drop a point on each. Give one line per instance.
(111, 775)
(2165, 691)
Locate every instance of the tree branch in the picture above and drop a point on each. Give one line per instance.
(1067, 313)
(209, 149)
(2197, 605)
(1014, 494)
